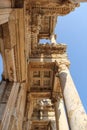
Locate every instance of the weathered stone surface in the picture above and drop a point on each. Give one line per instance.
(30, 80)
(76, 113)
(61, 116)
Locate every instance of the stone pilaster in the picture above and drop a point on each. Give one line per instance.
(6, 119)
(76, 113)
(20, 108)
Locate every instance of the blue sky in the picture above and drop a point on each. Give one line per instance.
(72, 30)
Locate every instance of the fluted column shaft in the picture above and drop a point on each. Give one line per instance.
(76, 113)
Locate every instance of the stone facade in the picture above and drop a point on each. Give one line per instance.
(36, 91)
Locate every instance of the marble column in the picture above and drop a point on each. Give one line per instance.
(76, 113)
(60, 113)
(53, 125)
(53, 39)
(56, 115)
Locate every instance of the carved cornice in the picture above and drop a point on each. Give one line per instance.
(39, 95)
(48, 49)
(51, 8)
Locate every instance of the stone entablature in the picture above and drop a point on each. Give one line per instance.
(48, 49)
(50, 8)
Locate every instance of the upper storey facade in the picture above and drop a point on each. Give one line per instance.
(22, 24)
(20, 3)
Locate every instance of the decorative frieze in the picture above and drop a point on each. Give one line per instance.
(51, 8)
(48, 49)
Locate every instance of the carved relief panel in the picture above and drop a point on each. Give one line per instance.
(41, 80)
(41, 77)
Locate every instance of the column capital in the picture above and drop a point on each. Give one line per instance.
(56, 97)
(62, 65)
